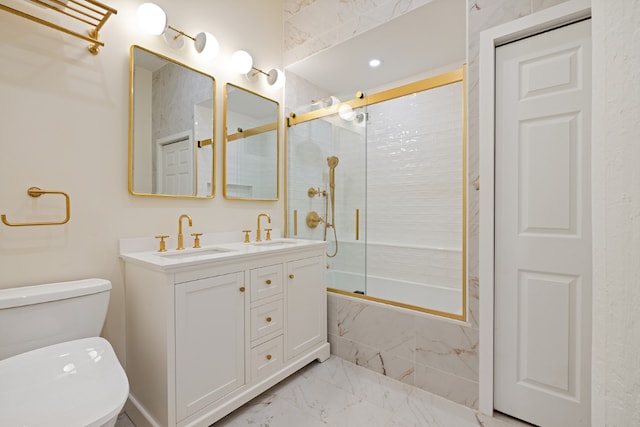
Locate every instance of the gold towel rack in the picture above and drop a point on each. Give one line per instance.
(36, 192)
(90, 12)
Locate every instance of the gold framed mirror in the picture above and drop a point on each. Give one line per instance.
(251, 145)
(171, 128)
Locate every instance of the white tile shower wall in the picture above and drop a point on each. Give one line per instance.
(414, 159)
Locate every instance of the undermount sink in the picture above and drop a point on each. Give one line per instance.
(276, 242)
(194, 252)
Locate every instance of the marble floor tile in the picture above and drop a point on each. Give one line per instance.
(338, 393)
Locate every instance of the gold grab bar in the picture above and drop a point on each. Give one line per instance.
(357, 224)
(90, 12)
(36, 192)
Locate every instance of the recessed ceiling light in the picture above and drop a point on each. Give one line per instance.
(374, 63)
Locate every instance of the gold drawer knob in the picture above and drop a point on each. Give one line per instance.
(268, 319)
(241, 288)
(268, 357)
(268, 282)
(291, 276)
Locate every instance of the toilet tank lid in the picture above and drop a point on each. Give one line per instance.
(27, 295)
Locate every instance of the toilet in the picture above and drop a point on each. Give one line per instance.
(55, 370)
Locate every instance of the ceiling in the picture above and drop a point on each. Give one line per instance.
(427, 38)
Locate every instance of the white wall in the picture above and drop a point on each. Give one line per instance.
(616, 213)
(64, 126)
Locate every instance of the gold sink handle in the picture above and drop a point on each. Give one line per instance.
(196, 240)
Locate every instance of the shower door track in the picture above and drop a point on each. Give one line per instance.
(451, 77)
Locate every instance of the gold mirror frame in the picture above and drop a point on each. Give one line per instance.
(257, 128)
(456, 76)
(197, 144)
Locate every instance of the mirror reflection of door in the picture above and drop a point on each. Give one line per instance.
(175, 165)
(171, 145)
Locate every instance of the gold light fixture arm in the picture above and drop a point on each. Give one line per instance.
(36, 192)
(90, 12)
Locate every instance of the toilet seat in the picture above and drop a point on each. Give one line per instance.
(74, 383)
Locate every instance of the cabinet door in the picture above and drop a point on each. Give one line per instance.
(209, 340)
(306, 305)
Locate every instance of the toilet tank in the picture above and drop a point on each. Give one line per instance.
(32, 317)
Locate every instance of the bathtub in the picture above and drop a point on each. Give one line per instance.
(432, 297)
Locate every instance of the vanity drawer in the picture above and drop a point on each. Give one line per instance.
(267, 358)
(266, 318)
(266, 282)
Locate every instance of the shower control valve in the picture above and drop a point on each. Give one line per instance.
(313, 192)
(313, 219)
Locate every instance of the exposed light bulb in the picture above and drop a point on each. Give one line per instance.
(241, 61)
(151, 18)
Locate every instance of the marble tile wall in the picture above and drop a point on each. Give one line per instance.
(176, 90)
(433, 354)
(437, 355)
(313, 25)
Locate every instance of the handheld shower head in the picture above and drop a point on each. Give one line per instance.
(332, 161)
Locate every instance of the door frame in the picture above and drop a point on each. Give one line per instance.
(547, 19)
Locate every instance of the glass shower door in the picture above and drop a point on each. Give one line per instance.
(326, 192)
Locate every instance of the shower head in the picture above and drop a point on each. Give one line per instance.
(332, 161)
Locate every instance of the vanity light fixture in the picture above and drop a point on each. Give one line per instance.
(153, 19)
(242, 62)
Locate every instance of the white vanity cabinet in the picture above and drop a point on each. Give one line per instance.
(206, 336)
(209, 325)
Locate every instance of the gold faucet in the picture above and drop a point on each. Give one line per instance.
(180, 239)
(258, 239)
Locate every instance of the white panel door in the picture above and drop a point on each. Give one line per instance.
(542, 358)
(177, 175)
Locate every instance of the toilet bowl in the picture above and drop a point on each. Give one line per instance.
(74, 383)
(55, 370)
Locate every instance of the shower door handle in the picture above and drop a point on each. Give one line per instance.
(357, 224)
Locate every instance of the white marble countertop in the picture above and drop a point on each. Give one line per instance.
(216, 247)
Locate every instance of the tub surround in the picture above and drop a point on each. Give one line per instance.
(431, 353)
